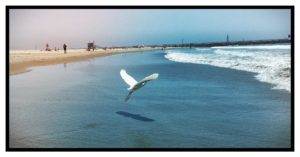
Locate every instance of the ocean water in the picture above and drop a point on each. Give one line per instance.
(193, 104)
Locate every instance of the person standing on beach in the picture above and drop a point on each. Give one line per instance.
(47, 47)
(65, 48)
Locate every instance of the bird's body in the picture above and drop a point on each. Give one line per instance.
(133, 84)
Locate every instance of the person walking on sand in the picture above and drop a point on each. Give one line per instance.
(65, 48)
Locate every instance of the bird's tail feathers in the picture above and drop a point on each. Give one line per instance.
(130, 88)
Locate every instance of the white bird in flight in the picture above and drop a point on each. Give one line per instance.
(133, 84)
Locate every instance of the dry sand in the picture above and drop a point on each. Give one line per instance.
(21, 61)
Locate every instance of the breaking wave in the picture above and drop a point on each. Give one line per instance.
(271, 63)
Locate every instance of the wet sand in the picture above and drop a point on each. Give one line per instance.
(21, 61)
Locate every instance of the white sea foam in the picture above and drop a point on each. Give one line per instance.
(272, 65)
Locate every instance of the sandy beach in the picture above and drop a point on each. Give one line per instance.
(21, 61)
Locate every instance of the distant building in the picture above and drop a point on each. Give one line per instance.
(227, 38)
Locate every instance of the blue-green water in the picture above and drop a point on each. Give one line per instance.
(81, 105)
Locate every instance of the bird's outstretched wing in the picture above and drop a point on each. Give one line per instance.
(149, 78)
(127, 78)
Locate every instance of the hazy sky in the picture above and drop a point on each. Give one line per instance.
(30, 28)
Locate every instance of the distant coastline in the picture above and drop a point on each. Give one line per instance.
(20, 61)
(209, 44)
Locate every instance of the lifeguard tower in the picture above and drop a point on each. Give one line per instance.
(91, 46)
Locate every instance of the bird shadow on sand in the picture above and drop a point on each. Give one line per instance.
(134, 116)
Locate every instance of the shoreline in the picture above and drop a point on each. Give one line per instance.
(22, 61)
